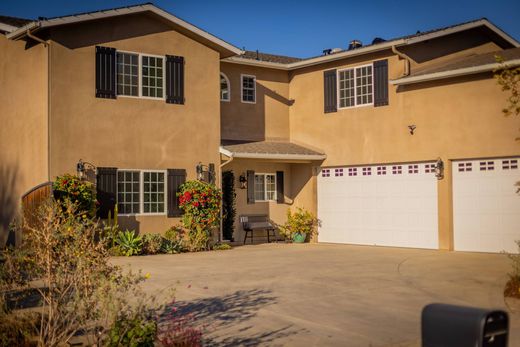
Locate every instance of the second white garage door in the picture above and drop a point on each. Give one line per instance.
(486, 205)
(387, 205)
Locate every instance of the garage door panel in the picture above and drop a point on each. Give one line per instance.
(486, 207)
(395, 208)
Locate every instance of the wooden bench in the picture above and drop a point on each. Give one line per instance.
(252, 223)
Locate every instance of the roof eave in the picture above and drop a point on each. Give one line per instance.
(278, 156)
(454, 73)
(463, 27)
(20, 32)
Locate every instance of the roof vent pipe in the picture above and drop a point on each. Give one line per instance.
(327, 51)
(354, 44)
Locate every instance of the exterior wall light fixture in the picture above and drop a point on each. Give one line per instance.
(439, 169)
(412, 128)
(82, 167)
(243, 181)
(206, 172)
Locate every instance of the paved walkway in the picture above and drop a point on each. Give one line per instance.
(322, 294)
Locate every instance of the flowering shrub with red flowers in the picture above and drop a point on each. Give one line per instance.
(200, 202)
(78, 192)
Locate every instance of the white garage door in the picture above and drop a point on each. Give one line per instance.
(387, 205)
(486, 207)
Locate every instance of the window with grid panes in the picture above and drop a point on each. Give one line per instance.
(128, 196)
(153, 192)
(127, 74)
(152, 76)
(355, 86)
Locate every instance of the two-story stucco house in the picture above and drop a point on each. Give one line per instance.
(400, 142)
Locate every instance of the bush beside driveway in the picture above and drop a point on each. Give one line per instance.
(323, 294)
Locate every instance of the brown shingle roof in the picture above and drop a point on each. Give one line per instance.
(470, 61)
(13, 21)
(271, 58)
(242, 148)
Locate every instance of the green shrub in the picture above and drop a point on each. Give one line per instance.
(136, 331)
(228, 205)
(173, 240)
(66, 267)
(512, 288)
(299, 222)
(152, 243)
(81, 193)
(221, 246)
(110, 229)
(200, 202)
(129, 243)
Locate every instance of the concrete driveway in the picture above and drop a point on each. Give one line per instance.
(323, 294)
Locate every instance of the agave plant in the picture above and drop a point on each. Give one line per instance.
(129, 243)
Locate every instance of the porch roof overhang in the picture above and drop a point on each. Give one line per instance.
(269, 150)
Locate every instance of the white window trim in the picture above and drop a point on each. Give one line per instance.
(140, 76)
(355, 87)
(242, 88)
(275, 198)
(141, 194)
(229, 88)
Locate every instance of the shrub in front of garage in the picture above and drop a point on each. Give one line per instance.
(300, 225)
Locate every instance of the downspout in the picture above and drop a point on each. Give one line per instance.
(28, 33)
(406, 61)
(221, 233)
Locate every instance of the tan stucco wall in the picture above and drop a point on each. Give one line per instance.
(458, 118)
(134, 133)
(268, 118)
(23, 129)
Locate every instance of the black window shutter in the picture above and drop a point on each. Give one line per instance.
(279, 187)
(105, 72)
(176, 178)
(106, 190)
(250, 187)
(381, 83)
(330, 93)
(174, 79)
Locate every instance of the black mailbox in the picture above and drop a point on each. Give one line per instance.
(458, 326)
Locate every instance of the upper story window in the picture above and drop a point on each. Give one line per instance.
(225, 88)
(355, 87)
(153, 76)
(248, 88)
(140, 75)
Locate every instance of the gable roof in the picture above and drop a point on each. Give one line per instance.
(226, 49)
(473, 64)
(397, 42)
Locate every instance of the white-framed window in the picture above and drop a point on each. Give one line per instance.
(248, 83)
(127, 74)
(225, 88)
(140, 75)
(356, 86)
(265, 187)
(141, 192)
(153, 192)
(128, 187)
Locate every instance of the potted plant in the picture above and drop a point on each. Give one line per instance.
(299, 225)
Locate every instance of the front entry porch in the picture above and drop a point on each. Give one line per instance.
(266, 179)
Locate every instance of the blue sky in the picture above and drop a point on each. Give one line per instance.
(300, 28)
